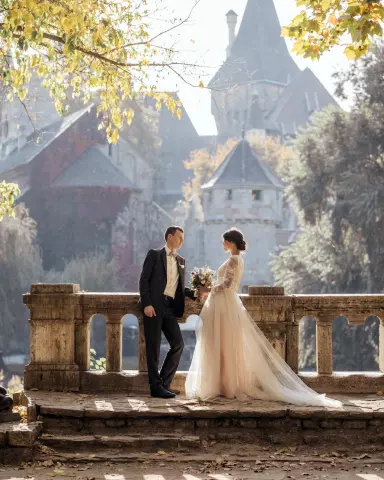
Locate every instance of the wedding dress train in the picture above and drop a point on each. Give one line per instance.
(232, 356)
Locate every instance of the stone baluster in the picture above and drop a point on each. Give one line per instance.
(53, 308)
(83, 341)
(324, 344)
(141, 348)
(114, 347)
(292, 356)
(381, 345)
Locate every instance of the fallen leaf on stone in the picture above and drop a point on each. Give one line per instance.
(58, 471)
(92, 455)
(380, 393)
(46, 449)
(161, 452)
(335, 454)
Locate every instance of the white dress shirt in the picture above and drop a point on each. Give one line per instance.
(172, 274)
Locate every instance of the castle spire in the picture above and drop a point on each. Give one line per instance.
(258, 52)
(231, 21)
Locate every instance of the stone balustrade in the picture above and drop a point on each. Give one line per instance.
(60, 322)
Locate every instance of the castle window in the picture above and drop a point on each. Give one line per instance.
(256, 195)
(6, 129)
(110, 149)
(229, 194)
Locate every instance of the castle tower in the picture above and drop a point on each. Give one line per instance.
(259, 79)
(243, 193)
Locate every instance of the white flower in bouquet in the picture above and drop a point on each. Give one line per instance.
(202, 277)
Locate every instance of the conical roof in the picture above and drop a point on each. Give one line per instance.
(243, 168)
(258, 52)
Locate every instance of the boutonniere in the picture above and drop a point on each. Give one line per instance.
(182, 266)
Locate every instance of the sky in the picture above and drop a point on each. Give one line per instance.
(205, 38)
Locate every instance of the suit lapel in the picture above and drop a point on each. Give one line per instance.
(181, 272)
(164, 257)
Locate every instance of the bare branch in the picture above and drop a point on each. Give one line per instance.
(164, 32)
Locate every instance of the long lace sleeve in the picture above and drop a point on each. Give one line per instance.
(229, 275)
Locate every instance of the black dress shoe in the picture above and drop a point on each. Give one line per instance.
(161, 392)
(176, 392)
(6, 403)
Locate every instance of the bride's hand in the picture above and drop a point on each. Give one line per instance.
(203, 292)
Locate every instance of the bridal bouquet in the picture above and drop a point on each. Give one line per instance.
(202, 277)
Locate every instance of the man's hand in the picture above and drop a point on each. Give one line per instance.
(149, 311)
(203, 292)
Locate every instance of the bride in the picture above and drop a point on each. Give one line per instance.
(232, 357)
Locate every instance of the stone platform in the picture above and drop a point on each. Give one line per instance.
(18, 441)
(103, 423)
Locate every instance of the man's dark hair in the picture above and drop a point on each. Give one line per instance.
(172, 230)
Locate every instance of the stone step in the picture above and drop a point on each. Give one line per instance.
(257, 430)
(18, 441)
(124, 443)
(360, 421)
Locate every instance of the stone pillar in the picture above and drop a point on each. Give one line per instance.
(114, 348)
(293, 346)
(324, 344)
(53, 308)
(83, 342)
(141, 349)
(381, 345)
(268, 307)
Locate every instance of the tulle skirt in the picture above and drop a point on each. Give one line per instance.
(233, 358)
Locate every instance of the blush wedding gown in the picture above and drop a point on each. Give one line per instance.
(232, 356)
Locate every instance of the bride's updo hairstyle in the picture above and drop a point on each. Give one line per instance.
(235, 236)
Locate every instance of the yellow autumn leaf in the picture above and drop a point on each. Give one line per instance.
(332, 19)
(350, 53)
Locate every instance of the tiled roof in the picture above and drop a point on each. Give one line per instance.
(93, 169)
(258, 52)
(31, 149)
(304, 95)
(242, 167)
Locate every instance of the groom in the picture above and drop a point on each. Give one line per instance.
(162, 295)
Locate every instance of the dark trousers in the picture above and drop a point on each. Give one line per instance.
(167, 323)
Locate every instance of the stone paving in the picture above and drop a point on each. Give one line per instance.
(120, 405)
(195, 471)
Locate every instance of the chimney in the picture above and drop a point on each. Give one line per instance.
(231, 21)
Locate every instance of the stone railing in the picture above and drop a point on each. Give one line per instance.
(61, 315)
